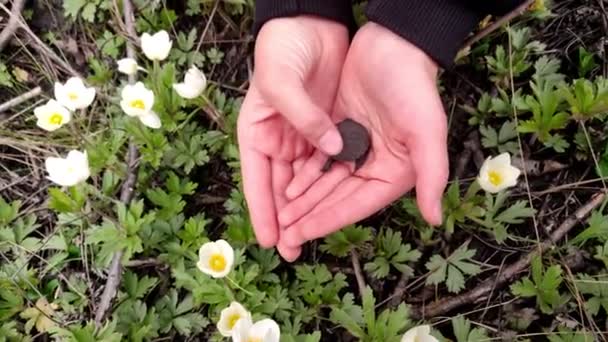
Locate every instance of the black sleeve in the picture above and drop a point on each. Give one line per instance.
(336, 10)
(437, 27)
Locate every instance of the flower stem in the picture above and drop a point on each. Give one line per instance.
(238, 286)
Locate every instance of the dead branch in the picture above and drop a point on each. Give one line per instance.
(358, 274)
(41, 46)
(13, 23)
(20, 99)
(497, 24)
(126, 191)
(512, 271)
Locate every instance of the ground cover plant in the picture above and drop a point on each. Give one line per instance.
(122, 216)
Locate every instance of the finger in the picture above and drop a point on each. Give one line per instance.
(290, 254)
(282, 174)
(284, 90)
(307, 175)
(257, 184)
(307, 201)
(298, 164)
(343, 208)
(429, 154)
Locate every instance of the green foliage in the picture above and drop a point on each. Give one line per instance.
(390, 251)
(362, 322)
(515, 61)
(501, 140)
(343, 241)
(597, 229)
(586, 62)
(545, 106)
(464, 333)
(544, 286)
(6, 79)
(452, 270)
(497, 218)
(586, 98)
(596, 289)
(459, 209)
(567, 335)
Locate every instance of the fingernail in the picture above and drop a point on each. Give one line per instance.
(438, 213)
(331, 142)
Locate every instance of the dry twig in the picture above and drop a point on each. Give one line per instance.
(126, 191)
(498, 23)
(511, 272)
(358, 274)
(42, 48)
(20, 99)
(13, 23)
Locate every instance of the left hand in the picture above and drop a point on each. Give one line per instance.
(389, 86)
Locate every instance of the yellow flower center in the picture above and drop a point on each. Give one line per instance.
(495, 178)
(70, 169)
(217, 262)
(73, 96)
(254, 339)
(232, 319)
(139, 104)
(56, 119)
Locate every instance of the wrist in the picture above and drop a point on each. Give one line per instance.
(436, 27)
(385, 43)
(339, 11)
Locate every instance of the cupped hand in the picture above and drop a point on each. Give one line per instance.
(389, 86)
(285, 114)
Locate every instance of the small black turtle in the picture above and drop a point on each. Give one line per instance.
(356, 144)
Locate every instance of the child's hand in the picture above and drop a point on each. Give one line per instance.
(285, 113)
(389, 86)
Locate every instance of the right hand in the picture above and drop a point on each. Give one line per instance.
(285, 115)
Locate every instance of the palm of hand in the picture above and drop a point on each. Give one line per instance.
(388, 86)
(271, 148)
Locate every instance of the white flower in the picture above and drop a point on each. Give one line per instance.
(157, 46)
(265, 330)
(151, 120)
(74, 94)
(52, 115)
(419, 334)
(128, 66)
(216, 258)
(230, 316)
(193, 85)
(70, 170)
(136, 99)
(497, 174)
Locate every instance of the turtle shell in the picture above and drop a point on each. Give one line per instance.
(355, 139)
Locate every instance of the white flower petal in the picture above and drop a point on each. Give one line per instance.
(420, 333)
(230, 316)
(210, 250)
(157, 46)
(502, 159)
(186, 91)
(136, 94)
(128, 66)
(52, 115)
(497, 174)
(267, 329)
(151, 120)
(68, 171)
(74, 94)
(240, 333)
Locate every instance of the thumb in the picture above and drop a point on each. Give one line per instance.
(290, 98)
(430, 158)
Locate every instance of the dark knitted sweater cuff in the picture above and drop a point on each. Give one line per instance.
(337, 10)
(437, 27)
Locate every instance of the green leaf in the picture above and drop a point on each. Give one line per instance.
(71, 8)
(341, 242)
